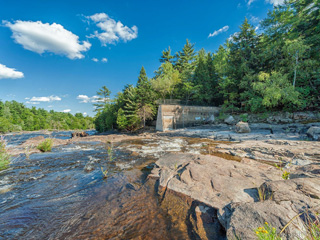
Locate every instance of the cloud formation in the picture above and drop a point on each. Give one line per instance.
(111, 30)
(95, 59)
(66, 110)
(251, 1)
(86, 99)
(44, 37)
(104, 60)
(275, 2)
(9, 73)
(38, 100)
(93, 99)
(45, 99)
(217, 32)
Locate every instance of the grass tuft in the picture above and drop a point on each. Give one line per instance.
(4, 156)
(46, 145)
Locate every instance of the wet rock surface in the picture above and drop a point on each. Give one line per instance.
(204, 183)
(229, 189)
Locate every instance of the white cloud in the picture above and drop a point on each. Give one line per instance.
(95, 59)
(83, 98)
(250, 2)
(85, 114)
(254, 19)
(44, 37)
(66, 110)
(50, 106)
(217, 32)
(93, 99)
(45, 99)
(104, 60)
(28, 102)
(275, 2)
(11, 73)
(112, 31)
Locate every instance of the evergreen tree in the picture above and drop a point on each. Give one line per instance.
(103, 98)
(146, 98)
(166, 56)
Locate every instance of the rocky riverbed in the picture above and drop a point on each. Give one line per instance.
(206, 182)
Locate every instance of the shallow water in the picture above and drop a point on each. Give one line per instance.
(63, 195)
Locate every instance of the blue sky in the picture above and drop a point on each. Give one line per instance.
(57, 54)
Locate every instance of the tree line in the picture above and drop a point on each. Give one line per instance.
(274, 69)
(16, 116)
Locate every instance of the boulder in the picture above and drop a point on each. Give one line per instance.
(314, 133)
(242, 127)
(230, 120)
(242, 219)
(79, 134)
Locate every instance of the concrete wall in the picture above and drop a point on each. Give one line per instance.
(180, 116)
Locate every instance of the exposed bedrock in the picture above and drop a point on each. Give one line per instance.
(221, 200)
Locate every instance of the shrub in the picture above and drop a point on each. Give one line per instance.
(244, 117)
(267, 233)
(4, 156)
(46, 145)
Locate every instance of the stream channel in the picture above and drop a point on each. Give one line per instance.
(63, 195)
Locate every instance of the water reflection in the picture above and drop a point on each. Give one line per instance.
(53, 196)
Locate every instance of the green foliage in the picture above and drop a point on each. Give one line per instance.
(276, 90)
(267, 233)
(103, 98)
(4, 156)
(244, 117)
(104, 172)
(166, 56)
(121, 119)
(166, 81)
(109, 146)
(277, 70)
(16, 116)
(46, 145)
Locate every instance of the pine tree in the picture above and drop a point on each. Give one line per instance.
(242, 64)
(146, 98)
(184, 61)
(103, 98)
(166, 56)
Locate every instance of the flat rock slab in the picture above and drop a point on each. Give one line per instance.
(296, 152)
(213, 180)
(231, 189)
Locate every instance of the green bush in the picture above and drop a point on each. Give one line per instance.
(4, 156)
(244, 117)
(46, 145)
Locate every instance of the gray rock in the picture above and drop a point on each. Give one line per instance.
(314, 133)
(241, 219)
(294, 152)
(230, 120)
(212, 180)
(89, 167)
(242, 127)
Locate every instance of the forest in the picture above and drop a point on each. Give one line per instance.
(273, 68)
(16, 116)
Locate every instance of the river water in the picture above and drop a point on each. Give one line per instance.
(63, 195)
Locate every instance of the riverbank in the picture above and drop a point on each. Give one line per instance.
(215, 183)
